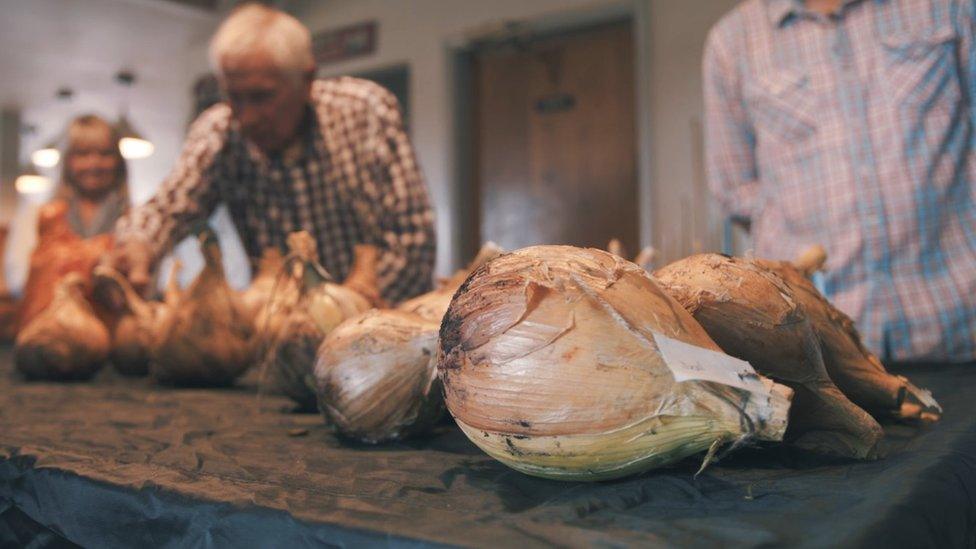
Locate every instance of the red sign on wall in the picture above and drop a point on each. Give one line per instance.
(332, 46)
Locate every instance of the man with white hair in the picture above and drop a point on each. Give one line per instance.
(287, 152)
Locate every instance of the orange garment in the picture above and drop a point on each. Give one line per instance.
(59, 251)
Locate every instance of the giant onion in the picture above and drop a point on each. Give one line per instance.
(207, 338)
(753, 315)
(59, 251)
(66, 341)
(308, 307)
(857, 371)
(376, 376)
(572, 363)
(134, 330)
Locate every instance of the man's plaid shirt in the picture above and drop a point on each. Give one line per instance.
(355, 181)
(858, 132)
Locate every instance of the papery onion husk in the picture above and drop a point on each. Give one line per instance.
(66, 341)
(257, 294)
(572, 364)
(299, 335)
(59, 251)
(857, 372)
(376, 376)
(134, 331)
(135, 327)
(753, 315)
(312, 306)
(432, 305)
(643, 259)
(206, 340)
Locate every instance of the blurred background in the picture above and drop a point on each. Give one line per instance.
(541, 121)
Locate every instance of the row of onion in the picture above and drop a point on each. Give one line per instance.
(560, 362)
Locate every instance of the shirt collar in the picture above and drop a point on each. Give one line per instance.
(108, 212)
(780, 10)
(296, 151)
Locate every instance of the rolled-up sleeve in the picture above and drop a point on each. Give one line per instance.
(400, 207)
(729, 141)
(186, 195)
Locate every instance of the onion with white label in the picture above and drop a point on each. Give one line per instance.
(571, 363)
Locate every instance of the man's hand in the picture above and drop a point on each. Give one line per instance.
(133, 259)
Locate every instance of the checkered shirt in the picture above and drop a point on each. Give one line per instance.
(856, 131)
(356, 181)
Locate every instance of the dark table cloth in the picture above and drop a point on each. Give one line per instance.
(119, 462)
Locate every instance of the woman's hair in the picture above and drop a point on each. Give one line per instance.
(82, 130)
(255, 27)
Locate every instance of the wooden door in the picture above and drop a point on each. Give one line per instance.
(554, 142)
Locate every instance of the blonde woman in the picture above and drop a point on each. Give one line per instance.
(74, 229)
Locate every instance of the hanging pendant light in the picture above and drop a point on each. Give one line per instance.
(48, 157)
(132, 144)
(30, 182)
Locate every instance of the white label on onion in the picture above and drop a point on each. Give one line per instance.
(692, 363)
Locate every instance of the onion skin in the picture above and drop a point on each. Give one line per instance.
(134, 331)
(59, 251)
(376, 376)
(207, 338)
(308, 307)
(432, 305)
(256, 296)
(550, 362)
(753, 315)
(292, 353)
(66, 341)
(300, 333)
(132, 340)
(857, 371)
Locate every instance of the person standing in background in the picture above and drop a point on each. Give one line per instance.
(851, 124)
(287, 152)
(74, 229)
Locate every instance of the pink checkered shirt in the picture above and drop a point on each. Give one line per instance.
(856, 131)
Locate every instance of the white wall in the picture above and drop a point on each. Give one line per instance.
(421, 34)
(686, 219)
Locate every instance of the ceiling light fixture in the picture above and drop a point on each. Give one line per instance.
(48, 157)
(31, 182)
(132, 144)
